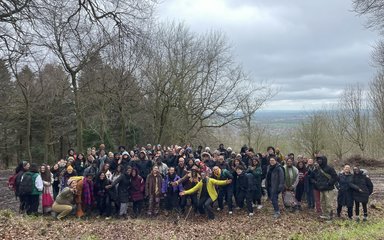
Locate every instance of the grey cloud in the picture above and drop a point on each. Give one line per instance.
(310, 49)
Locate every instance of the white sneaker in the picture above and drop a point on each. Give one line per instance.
(218, 209)
(107, 218)
(259, 207)
(253, 205)
(237, 208)
(250, 214)
(230, 212)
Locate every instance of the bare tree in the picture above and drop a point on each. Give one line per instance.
(354, 105)
(310, 135)
(376, 95)
(257, 95)
(76, 31)
(336, 126)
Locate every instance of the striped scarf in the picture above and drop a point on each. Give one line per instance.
(87, 192)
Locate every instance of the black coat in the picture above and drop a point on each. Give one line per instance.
(144, 166)
(124, 182)
(344, 196)
(361, 182)
(277, 179)
(256, 178)
(243, 183)
(321, 181)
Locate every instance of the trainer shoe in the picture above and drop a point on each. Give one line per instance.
(230, 212)
(250, 214)
(259, 207)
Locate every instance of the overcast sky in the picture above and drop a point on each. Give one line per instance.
(310, 50)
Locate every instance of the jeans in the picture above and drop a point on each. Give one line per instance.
(244, 195)
(227, 193)
(205, 204)
(274, 196)
(194, 202)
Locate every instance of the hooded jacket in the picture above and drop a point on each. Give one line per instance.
(364, 183)
(324, 177)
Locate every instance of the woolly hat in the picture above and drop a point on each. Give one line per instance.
(125, 153)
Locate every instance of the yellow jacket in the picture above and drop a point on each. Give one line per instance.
(210, 187)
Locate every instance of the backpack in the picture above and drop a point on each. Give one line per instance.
(26, 184)
(12, 182)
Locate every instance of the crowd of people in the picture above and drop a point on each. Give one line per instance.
(182, 179)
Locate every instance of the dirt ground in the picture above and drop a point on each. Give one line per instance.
(237, 226)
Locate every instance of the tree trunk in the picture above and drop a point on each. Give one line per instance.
(79, 122)
(29, 136)
(123, 129)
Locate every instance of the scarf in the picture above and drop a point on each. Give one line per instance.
(87, 193)
(269, 174)
(290, 176)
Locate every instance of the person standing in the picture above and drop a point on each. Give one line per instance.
(225, 191)
(22, 168)
(344, 196)
(275, 184)
(291, 176)
(363, 188)
(32, 186)
(325, 178)
(171, 190)
(153, 187)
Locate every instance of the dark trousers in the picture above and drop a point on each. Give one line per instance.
(227, 193)
(339, 208)
(137, 206)
(172, 200)
(205, 204)
(256, 198)
(103, 205)
(194, 202)
(299, 192)
(357, 208)
(32, 203)
(274, 196)
(310, 197)
(55, 189)
(244, 195)
(23, 203)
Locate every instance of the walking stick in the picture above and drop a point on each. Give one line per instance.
(189, 211)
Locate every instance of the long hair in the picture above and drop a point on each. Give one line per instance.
(46, 176)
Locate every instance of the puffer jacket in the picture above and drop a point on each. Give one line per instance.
(319, 178)
(361, 182)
